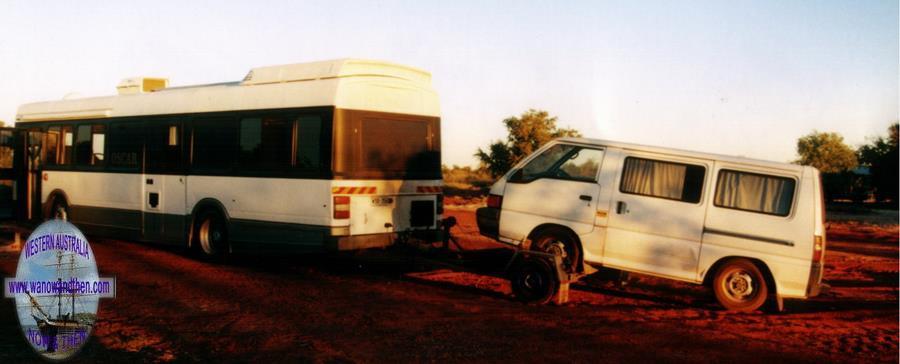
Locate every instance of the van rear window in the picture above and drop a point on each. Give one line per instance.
(755, 192)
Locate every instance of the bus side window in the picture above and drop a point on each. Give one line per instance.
(265, 143)
(124, 145)
(6, 149)
(309, 139)
(98, 144)
(215, 142)
(163, 148)
(52, 146)
(90, 141)
(67, 142)
(83, 145)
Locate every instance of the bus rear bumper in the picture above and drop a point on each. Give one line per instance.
(257, 236)
(368, 241)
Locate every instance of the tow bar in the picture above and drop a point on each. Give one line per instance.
(535, 277)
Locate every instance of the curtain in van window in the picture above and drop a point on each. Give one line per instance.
(646, 177)
(745, 191)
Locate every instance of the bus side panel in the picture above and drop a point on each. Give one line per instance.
(298, 210)
(108, 202)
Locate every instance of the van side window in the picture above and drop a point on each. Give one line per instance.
(669, 180)
(567, 162)
(754, 192)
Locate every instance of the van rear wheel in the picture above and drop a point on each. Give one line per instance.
(740, 286)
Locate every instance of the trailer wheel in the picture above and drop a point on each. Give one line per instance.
(534, 281)
(740, 286)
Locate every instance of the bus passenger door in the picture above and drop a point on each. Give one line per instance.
(164, 183)
(7, 177)
(30, 183)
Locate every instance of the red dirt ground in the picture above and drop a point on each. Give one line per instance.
(387, 307)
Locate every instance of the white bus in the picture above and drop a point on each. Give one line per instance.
(334, 155)
(750, 229)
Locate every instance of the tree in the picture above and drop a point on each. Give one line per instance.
(881, 156)
(827, 152)
(526, 133)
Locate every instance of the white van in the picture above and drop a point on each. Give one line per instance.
(750, 229)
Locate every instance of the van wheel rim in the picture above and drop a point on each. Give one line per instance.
(739, 285)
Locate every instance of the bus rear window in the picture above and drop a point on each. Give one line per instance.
(374, 145)
(394, 146)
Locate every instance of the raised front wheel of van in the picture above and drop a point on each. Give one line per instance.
(740, 286)
(210, 235)
(558, 242)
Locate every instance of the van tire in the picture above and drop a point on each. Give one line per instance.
(740, 286)
(558, 241)
(210, 235)
(534, 280)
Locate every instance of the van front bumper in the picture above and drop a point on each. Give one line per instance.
(488, 219)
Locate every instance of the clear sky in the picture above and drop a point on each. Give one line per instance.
(735, 77)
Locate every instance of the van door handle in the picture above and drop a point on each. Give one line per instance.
(621, 207)
(585, 198)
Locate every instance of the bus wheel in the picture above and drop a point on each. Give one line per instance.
(534, 281)
(59, 210)
(558, 242)
(740, 286)
(211, 235)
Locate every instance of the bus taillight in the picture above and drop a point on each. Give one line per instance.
(341, 207)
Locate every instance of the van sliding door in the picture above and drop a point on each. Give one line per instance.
(656, 222)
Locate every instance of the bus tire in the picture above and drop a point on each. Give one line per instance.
(59, 209)
(210, 235)
(534, 280)
(740, 286)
